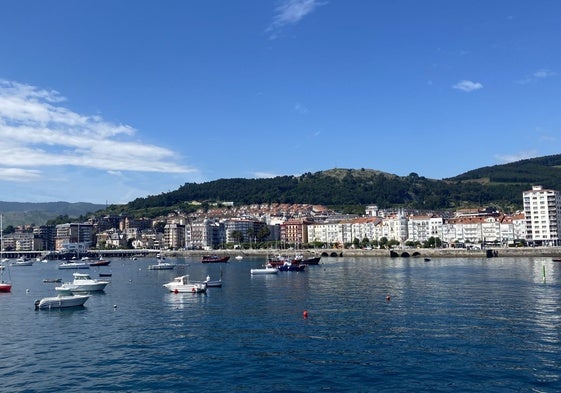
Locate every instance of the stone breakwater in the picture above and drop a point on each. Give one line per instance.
(424, 252)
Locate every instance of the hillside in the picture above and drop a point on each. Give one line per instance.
(499, 185)
(19, 213)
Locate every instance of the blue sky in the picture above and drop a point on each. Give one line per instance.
(107, 101)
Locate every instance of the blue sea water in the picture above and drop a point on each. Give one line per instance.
(466, 325)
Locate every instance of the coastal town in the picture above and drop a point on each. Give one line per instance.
(301, 226)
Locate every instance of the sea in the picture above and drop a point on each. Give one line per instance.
(346, 325)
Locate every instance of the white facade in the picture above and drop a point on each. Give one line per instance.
(542, 208)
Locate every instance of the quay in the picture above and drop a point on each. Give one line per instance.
(347, 252)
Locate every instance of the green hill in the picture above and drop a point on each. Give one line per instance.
(499, 185)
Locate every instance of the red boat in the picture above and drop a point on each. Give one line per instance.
(100, 262)
(215, 258)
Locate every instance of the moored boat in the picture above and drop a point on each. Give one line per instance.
(183, 284)
(73, 265)
(215, 258)
(268, 269)
(162, 266)
(83, 283)
(64, 299)
(213, 283)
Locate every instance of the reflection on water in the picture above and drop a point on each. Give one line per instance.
(449, 325)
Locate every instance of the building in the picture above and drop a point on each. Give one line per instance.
(542, 208)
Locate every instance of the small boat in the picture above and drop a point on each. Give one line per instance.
(23, 261)
(47, 280)
(100, 262)
(215, 258)
(291, 267)
(556, 259)
(64, 299)
(83, 283)
(427, 259)
(162, 266)
(105, 274)
(268, 269)
(73, 265)
(213, 283)
(183, 284)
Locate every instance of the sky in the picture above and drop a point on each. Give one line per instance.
(107, 101)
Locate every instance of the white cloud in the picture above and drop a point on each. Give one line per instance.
(301, 109)
(289, 12)
(265, 175)
(468, 86)
(544, 73)
(37, 132)
(505, 159)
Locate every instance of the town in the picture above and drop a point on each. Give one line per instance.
(281, 226)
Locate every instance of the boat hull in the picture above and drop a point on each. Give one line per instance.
(56, 302)
(273, 270)
(215, 259)
(5, 287)
(73, 265)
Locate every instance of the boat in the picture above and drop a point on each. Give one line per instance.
(100, 262)
(268, 269)
(556, 259)
(291, 267)
(48, 280)
(213, 283)
(215, 258)
(183, 284)
(23, 261)
(5, 285)
(239, 257)
(83, 282)
(162, 266)
(73, 265)
(64, 299)
(105, 274)
(309, 261)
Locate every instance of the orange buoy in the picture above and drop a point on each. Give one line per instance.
(305, 314)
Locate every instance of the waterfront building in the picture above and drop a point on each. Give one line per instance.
(174, 236)
(542, 208)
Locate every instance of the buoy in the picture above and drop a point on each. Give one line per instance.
(193, 289)
(388, 298)
(175, 290)
(114, 306)
(305, 314)
(27, 291)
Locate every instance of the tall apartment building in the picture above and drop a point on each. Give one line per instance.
(542, 208)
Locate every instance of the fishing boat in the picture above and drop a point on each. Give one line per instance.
(213, 283)
(5, 285)
(64, 299)
(83, 283)
(291, 267)
(215, 258)
(184, 284)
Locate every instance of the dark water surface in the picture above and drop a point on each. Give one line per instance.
(466, 325)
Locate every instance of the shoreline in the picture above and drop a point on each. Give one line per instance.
(423, 252)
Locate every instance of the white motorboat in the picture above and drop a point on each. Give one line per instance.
(268, 269)
(74, 265)
(162, 266)
(83, 282)
(23, 261)
(239, 257)
(183, 284)
(63, 300)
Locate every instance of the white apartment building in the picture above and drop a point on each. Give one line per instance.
(542, 208)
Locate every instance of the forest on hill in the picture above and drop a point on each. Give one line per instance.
(499, 186)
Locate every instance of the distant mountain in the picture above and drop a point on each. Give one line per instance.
(19, 213)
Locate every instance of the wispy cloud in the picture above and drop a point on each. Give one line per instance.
(537, 75)
(505, 159)
(467, 86)
(289, 12)
(36, 131)
(265, 175)
(301, 109)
